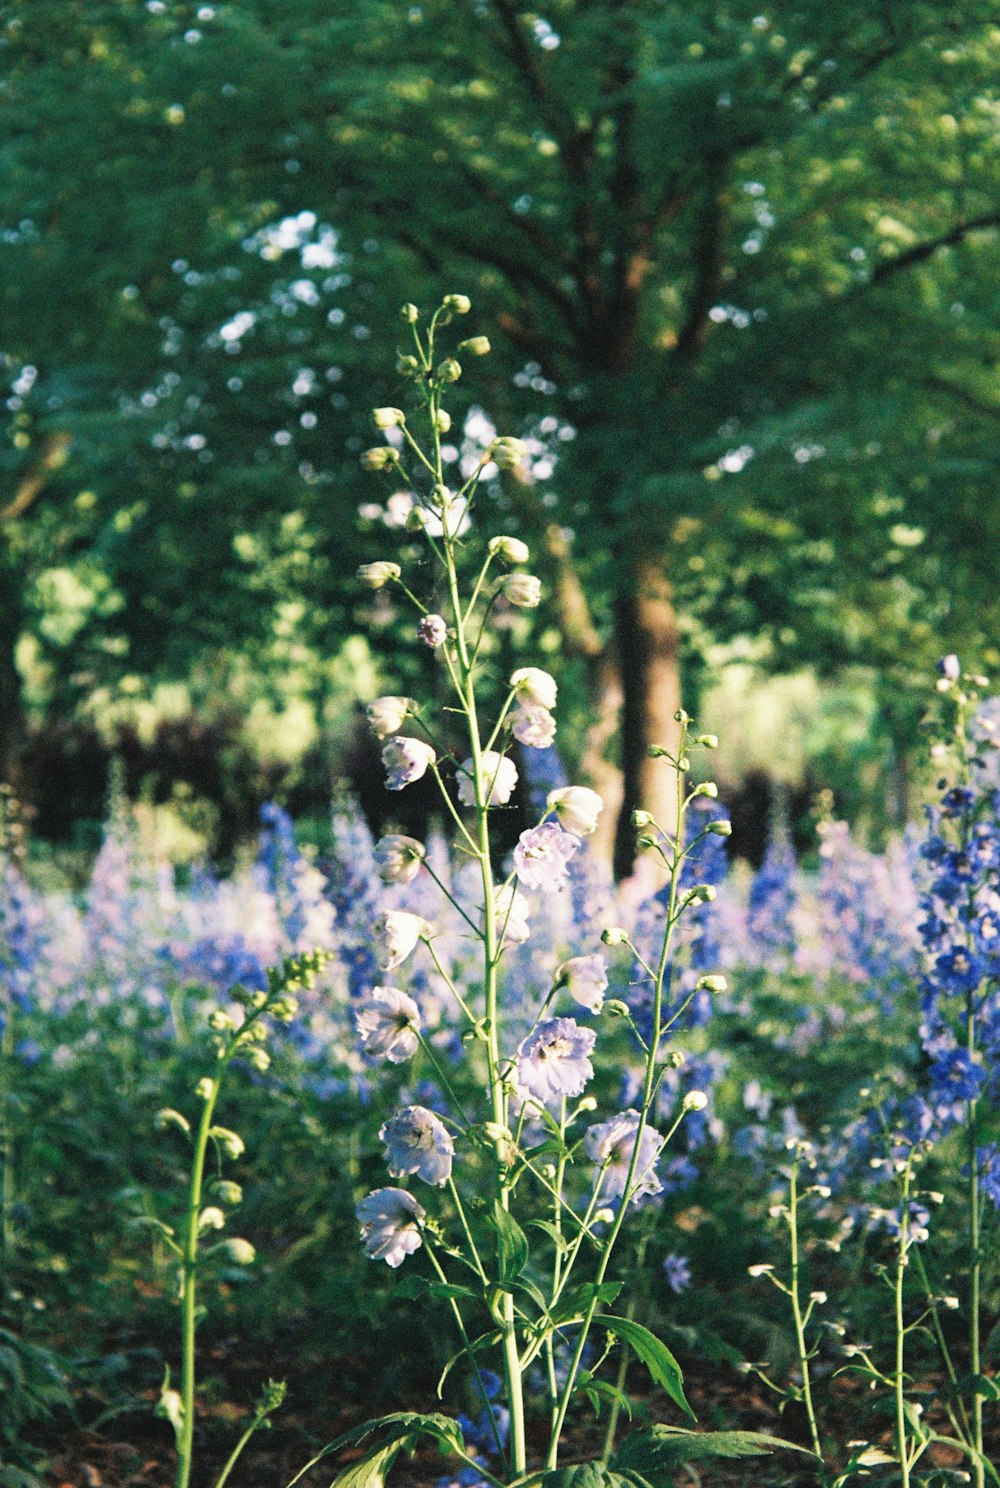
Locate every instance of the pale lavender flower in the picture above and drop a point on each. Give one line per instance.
(542, 855)
(533, 727)
(406, 760)
(399, 858)
(387, 1022)
(612, 1142)
(577, 808)
(395, 934)
(553, 1061)
(499, 778)
(433, 631)
(417, 1141)
(534, 687)
(386, 714)
(391, 1221)
(585, 979)
(677, 1272)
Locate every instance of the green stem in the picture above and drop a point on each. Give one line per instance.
(647, 1100)
(189, 1290)
(899, 1380)
(800, 1331)
(7, 1136)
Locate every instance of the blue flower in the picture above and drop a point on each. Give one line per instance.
(554, 1061)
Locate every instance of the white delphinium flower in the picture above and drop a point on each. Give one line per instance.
(612, 1142)
(499, 776)
(406, 760)
(534, 687)
(387, 1022)
(534, 727)
(585, 979)
(553, 1061)
(511, 914)
(542, 856)
(509, 549)
(391, 1221)
(396, 933)
(577, 808)
(417, 1141)
(399, 858)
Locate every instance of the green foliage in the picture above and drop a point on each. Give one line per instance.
(663, 1368)
(656, 1452)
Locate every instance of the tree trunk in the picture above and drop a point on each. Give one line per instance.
(11, 701)
(647, 640)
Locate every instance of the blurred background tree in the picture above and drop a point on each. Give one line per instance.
(738, 265)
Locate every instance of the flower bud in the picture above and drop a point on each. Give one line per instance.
(377, 575)
(388, 418)
(614, 935)
(818, 1297)
(259, 1059)
(533, 686)
(386, 714)
(522, 590)
(409, 313)
(460, 304)
(681, 717)
(169, 1117)
(657, 751)
(416, 519)
(700, 894)
(707, 788)
(712, 984)
(231, 1142)
(509, 549)
(211, 1218)
(407, 366)
(642, 819)
(604, 1216)
(950, 668)
(449, 370)
(587, 1104)
(507, 452)
(708, 741)
(616, 1008)
(227, 1192)
(476, 346)
(756, 1271)
(695, 1100)
(721, 828)
(442, 421)
(221, 1022)
(205, 1088)
(240, 1252)
(380, 458)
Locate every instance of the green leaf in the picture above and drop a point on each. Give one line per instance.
(402, 1428)
(548, 1228)
(663, 1368)
(573, 1306)
(592, 1475)
(656, 1452)
(512, 1246)
(370, 1472)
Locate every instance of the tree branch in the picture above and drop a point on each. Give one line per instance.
(922, 251)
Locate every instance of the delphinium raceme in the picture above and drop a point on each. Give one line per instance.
(237, 1032)
(518, 1134)
(960, 994)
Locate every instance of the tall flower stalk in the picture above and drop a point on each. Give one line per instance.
(533, 1080)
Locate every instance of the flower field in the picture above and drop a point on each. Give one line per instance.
(440, 1151)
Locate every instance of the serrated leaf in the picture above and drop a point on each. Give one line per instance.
(512, 1246)
(656, 1452)
(592, 1475)
(663, 1368)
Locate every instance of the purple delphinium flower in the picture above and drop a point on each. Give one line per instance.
(417, 1141)
(534, 727)
(433, 631)
(541, 856)
(553, 1060)
(612, 1142)
(387, 1023)
(677, 1272)
(391, 1221)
